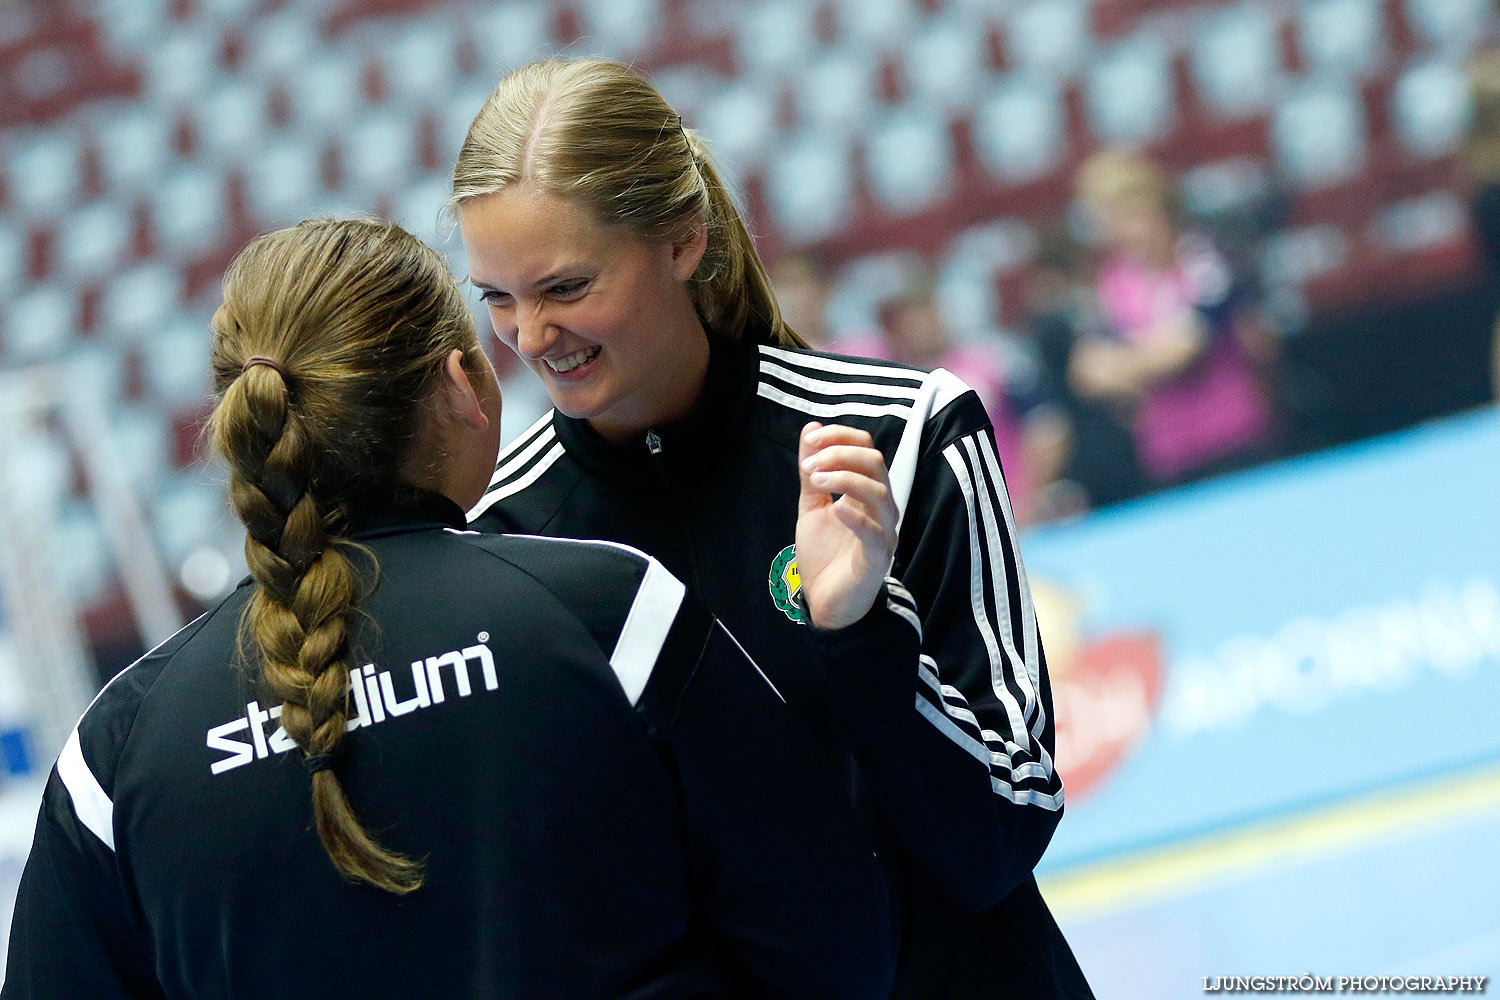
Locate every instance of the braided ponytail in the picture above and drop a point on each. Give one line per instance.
(329, 336)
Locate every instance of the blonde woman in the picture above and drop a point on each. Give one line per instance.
(406, 760)
(689, 422)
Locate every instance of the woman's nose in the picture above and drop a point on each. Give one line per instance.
(534, 334)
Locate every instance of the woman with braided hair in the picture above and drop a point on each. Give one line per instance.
(405, 759)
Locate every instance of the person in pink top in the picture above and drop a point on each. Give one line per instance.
(1175, 352)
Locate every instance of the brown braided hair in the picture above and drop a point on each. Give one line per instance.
(330, 337)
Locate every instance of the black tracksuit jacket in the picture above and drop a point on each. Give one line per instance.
(936, 707)
(611, 800)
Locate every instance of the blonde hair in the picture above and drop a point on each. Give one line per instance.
(595, 131)
(1116, 178)
(330, 336)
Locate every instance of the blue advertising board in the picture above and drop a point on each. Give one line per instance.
(1276, 640)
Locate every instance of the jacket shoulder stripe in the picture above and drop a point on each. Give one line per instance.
(515, 486)
(90, 802)
(518, 462)
(888, 372)
(646, 626)
(824, 387)
(835, 409)
(524, 438)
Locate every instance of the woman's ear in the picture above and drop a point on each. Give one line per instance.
(688, 248)
(462, 402)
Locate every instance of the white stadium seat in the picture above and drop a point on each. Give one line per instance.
(1451, 25)
(188, 513)
(81, 554)
(1296, 256)
(945, 62)
(1340, 37)
(232, 117)
(740, 121)
(1429, 220)
(510, 34)
(909, 160)
(135, 142)
(14, 256)
(228, 11)
(417, 206)
(420, 66)
(379, 153)
(282, 180)
(457, 112)
(1019, 130)
(284, 42)
(837, 91)
(1236, 59)
(874, 25)
(1430, 107)
(44, 170)
(1318, 134)
(176, 360)
(41, 323)
(93, 239)
(143, 445)
(132, 24)
(189, 211)
(137, 302)
(1050, 37)
(774, 36)
(1129, 91)
(969, 266)
(808, 185)
(327, 91)
(623, 28)
(863, 284)
(179, 66)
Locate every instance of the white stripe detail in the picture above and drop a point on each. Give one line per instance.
(844, 366)
(844, 409)
(1000, 579)
(520, 484)
(939, 388)
(749, 659)
(646, 626)
(511, 448)
(505, 470)
(93, 807)
(823, 388)
(976, 594)
(1028, 609)
(906, 613)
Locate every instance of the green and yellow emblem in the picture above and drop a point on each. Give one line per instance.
(786, 585)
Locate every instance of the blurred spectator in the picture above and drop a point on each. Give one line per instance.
(1175, 347)
(1481, 155)
(1030, 433)
(1101, 466)
(802, 289)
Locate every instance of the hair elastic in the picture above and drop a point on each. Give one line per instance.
(261, 359)
(315, 762)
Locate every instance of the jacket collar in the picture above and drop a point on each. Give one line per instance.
(721, 409)
(402, 508)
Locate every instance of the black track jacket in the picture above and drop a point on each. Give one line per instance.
(940, 693)
(611, 800)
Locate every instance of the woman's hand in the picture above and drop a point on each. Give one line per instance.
(844, 546)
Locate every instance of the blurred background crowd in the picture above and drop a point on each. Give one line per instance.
(1164, 239)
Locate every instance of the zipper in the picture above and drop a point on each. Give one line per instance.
(659, 459)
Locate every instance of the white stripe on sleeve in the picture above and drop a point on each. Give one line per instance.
(646, 626)
(93, 807)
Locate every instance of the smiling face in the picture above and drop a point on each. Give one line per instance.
(601, 315)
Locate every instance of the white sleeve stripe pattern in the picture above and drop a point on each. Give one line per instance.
(1033, 657)
(92, 806)
(517, 485)
(646, 626)
(988, 577)
(845, 366)
(994, 531)
(522, 439)
(839, 409)
(837, 389)
(505, 469)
